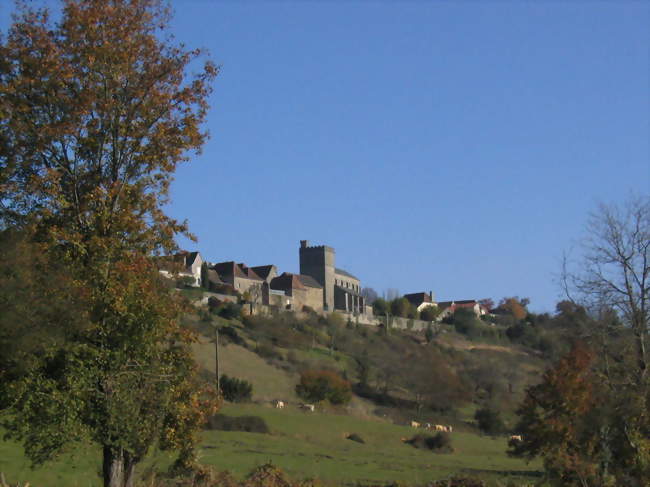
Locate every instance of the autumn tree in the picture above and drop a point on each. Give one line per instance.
(513, 306)
(557, 422)
(96, 112)
(597, 396)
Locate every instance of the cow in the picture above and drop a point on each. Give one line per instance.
(516, 438)
(449, 429)
(439, 427)
(279, 404)
(415, 424)
(427, 426)
(308, 407)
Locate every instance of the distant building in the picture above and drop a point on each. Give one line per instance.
(241, 277)
(341, 290)
(303, 292)
(421, 300)
(449, 307)
(183, 264)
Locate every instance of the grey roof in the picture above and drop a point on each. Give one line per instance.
(309, 281)
(341, 272)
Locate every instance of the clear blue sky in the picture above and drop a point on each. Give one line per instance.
(448, 146)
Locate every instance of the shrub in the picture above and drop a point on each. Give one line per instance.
(355, 437)
(430, 313)
(230, 333)
(318, 385)
(249, 424)
(228, 310)
(235, 390)
(438, 443)
(267, 351)
(267, 476)
(489, 421)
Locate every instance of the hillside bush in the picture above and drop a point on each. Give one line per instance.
(235, 390)
(489, 421)
(355, 437)
(249, 424)
(438, 443)
(230, 334)
(318, 385)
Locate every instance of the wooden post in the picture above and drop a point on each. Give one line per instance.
(216, 359)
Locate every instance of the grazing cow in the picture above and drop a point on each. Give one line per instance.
(449, 429)
(415, 424)
(279, 404)
(427, 426)
(308, 407)
(516, 438)
(439, 427)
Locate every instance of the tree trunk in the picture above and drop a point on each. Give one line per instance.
(129, 470)
(113, 467)
(118, 468)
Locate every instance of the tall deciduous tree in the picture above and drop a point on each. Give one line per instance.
(590, 417)
(96, 112)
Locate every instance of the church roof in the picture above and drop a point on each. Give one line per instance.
(341, 272)
(309, 281)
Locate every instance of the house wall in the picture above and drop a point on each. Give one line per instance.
(195, 269)
(242, 285)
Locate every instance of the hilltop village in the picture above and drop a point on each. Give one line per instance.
(319, 287)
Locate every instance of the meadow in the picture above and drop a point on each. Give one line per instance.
(305, 445)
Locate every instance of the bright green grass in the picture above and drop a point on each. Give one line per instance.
(304, 445)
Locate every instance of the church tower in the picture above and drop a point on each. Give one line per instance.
(318, 262)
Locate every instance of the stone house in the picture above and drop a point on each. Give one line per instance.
(449, 307)
(183, 264)
(299, 291)
(421, 300)
(241, 277)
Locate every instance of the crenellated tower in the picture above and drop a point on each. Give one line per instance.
(318, 262)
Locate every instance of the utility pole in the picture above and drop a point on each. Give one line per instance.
(216, 358)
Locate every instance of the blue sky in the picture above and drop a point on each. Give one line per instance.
(456, 147)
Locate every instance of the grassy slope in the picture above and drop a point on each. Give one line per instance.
(304, 445)
(268, 382)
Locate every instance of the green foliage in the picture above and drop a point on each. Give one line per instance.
(355, 437)
(380, 307)
(430, 313)
(428, 334)
(96, 114)
(250, 424)
(224, 309)
(318, 385)
(205, 282)
(489, 421)
(235, 390)
(403, 308)
(438, 443)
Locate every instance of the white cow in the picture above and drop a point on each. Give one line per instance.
(516, 438)
(415, 424)
(439, 427)
(279, 404)
(308, 407)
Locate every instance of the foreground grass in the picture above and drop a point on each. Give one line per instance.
(304, 445)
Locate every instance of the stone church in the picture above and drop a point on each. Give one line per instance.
(341, 290)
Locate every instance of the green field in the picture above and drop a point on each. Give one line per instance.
(304, 445)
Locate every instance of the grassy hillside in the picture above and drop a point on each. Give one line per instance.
(455, 375)
(305, 445)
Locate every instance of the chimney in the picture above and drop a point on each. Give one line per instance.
(304, 244)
